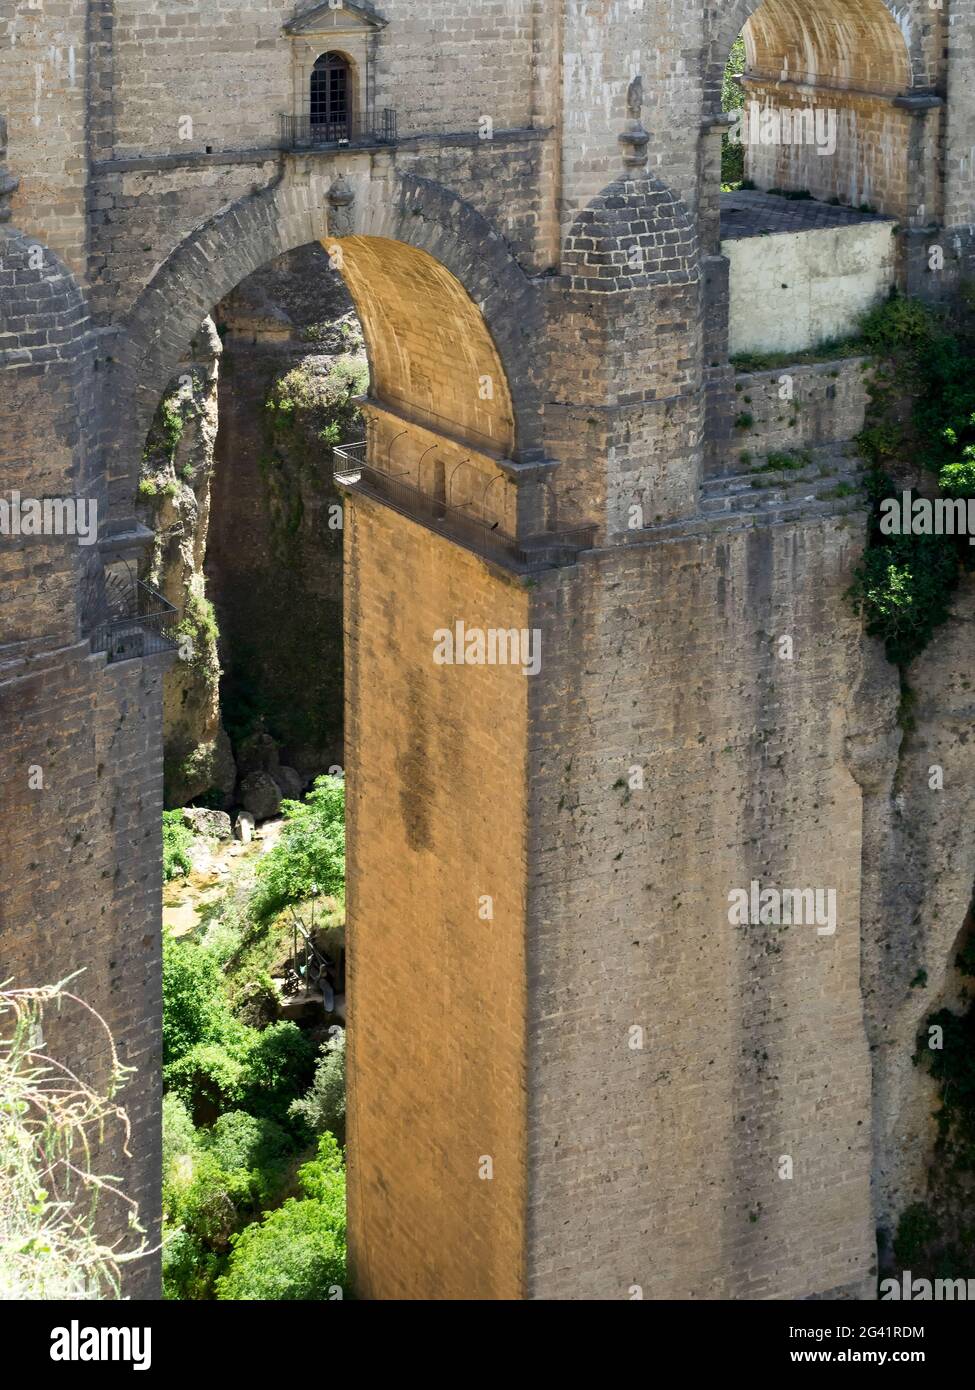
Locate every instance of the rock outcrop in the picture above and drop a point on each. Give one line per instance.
(918, 780)
(174, 496)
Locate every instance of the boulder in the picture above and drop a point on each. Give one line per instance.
(260, 795)
(290, 782)
(244, 828)
(210, 825)
(201, 860)
(259, 753)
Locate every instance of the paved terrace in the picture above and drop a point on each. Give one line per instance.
(747, 214)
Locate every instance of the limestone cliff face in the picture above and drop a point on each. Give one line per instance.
(293, 364)
(236, 486)
(174, 495)
(918, 874)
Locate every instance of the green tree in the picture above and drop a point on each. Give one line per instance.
(904, 590)
(310, 856)
(278, 1064)
(322, 1108)
(195, 1009)
(294, 1255)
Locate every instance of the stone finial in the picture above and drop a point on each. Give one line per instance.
(635, 138)
(8, 184)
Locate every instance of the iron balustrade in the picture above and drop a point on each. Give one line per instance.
(145, 626)
(355, 128)
(547, 549)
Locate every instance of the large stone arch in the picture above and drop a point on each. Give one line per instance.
(859, 65)
(881, 16)
(439, 226)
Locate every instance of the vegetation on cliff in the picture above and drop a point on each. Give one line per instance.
(176, 843)
(919, 440)
(174, 492)
(920, 432)
(254, 1179)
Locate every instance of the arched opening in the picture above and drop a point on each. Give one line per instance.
(825, 154)
(825, 79)
(331, 99)
(361, 345)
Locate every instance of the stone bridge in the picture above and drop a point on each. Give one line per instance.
(570, 1077)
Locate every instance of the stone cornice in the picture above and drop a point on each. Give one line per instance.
(326, 19)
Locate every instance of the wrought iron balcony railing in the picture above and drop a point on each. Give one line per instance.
(546, 550)
(357, 128)
(142, 624)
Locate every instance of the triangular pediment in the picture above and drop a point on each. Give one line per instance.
(327, 19)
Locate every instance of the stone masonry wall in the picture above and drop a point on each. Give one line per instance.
(617, 1158)
(437, 788)
(43, 82)
(90, 835)
(869, 165)
(799, 407)
(658, 1165)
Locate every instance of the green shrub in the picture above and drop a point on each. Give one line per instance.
(177, 839)
(298, 1252)
(957, 479)
(903, 588)
(188, 1268)
(781, 461)
(195, 1009)
(310, 856)
(240, 1142)
(324, 1178)
(897, 324)
(178, 1132)
(304, 406)
(211, 1203)
(323, 1107)
(295, 1254)
(208, 1080)
(878, 443)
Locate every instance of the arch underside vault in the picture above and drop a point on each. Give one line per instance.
(849, 62)
(439, 403)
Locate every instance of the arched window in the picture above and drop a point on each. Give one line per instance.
(331, 98)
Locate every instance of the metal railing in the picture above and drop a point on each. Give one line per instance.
(357, 128)
(145, 627)
(311, 968)
(545, 550)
